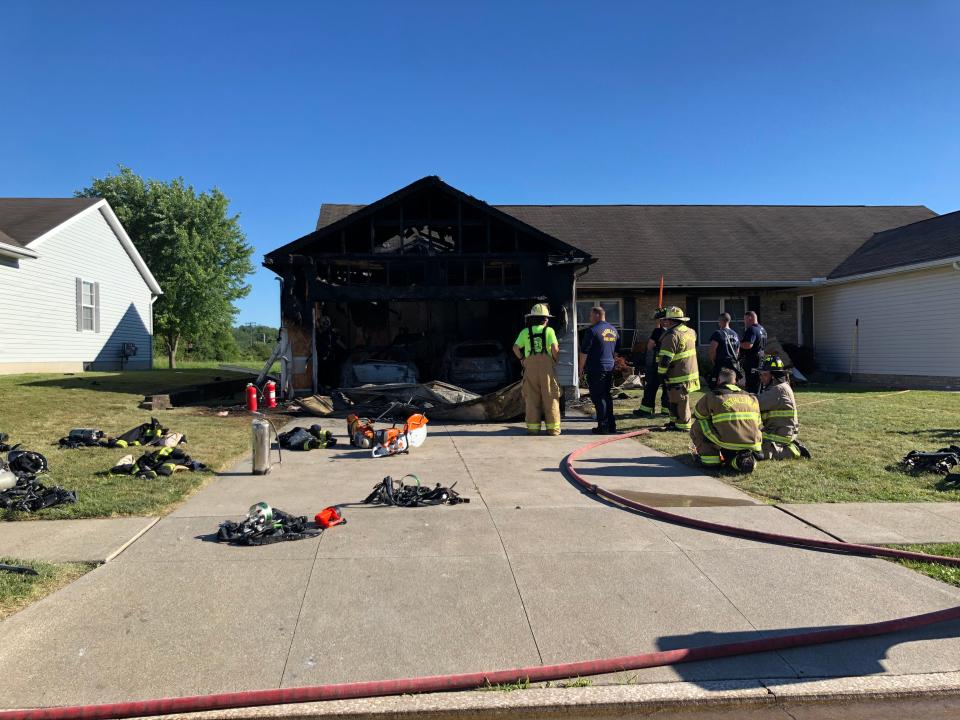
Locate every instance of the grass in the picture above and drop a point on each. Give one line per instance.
(856, 435)
(943, 573)
(37, 410)
(17, 591)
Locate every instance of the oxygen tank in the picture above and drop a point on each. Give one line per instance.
(261, 446)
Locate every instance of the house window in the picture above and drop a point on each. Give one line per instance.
(709, 313)
(805, 321)
(88, 306)
(613, 308)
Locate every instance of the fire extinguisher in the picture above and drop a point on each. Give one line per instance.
(251, 397)
(270, 390)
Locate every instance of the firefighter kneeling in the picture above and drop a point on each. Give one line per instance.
(726, 427)
(778, 410)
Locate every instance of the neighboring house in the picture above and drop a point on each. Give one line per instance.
(74, 292)
(774, 259)
(893, 306)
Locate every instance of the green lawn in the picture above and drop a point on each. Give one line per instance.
(856, 435)
(17, 591)
(37, 410)
(944, 573)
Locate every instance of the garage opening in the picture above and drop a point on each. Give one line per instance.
(425, 284)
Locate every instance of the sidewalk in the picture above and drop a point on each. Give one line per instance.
(530, 571)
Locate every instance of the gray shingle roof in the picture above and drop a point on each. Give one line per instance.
(936, 238)
(726, 244)
(23, 220)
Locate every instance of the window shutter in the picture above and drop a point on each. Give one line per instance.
(96, 307)
(79, 305)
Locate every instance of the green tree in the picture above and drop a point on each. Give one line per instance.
(192, 245)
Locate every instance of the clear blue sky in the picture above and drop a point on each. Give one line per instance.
(288, 105)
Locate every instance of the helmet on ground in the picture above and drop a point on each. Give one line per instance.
(674, 313)
(539, 310)
(261, 515)
(772, 364)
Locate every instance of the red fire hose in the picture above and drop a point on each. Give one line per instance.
(538, 673)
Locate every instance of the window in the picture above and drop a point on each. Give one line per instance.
(613, 308)
(709, 312)
(88, 306)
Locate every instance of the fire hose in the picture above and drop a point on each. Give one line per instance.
(537, 673)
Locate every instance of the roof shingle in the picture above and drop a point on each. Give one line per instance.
(23, 220)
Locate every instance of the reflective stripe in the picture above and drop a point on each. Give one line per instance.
(684, 426)
(646, 408)
(696, 414)
(665, 353)
(684, 354)
(661, 371)
(682, 378)
(552, 426)
(710, 459)
(533, 426)
(712, 437)
(794, 449)
(731, 416)
(121, 443)
(792, 414)
(777, 438)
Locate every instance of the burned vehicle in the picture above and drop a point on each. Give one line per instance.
(480, 366)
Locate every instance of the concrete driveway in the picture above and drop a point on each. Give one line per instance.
(530, 571)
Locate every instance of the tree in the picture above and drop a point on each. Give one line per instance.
(193, 247)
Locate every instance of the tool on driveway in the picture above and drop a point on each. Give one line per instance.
(311, 438)
(265, 525)
(394, 441)
(329, 517)
(396, 492)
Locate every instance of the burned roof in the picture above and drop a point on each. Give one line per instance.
(704, 244)
(936, 238)
(23, 220)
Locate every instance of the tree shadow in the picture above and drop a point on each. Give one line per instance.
(940, 434)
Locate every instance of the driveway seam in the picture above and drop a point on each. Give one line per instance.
(808, 523)
(303, 601)
(513, 574)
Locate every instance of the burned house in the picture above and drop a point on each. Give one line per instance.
(406, 278)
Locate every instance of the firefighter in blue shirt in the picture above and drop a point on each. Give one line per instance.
(598, 349)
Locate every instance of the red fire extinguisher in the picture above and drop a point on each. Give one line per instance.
(251, 397)
(270, 390)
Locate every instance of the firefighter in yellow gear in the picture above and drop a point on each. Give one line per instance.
(537, 349)
(677, 367)
(778, 411)
(726, 430)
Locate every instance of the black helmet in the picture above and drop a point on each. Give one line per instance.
(772, 364)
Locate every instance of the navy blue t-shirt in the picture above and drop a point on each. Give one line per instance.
(728, 346)
(758, 336)
(600, 343)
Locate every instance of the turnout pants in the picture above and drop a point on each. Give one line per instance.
(541, 394)
(709, 453)
(773, 450)
(652, 383)
(601, 384)
(679, 406)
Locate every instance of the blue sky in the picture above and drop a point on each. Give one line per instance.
(288, 105)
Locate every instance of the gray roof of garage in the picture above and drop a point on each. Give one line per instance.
(698, 244)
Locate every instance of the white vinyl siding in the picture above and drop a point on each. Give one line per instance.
(45, 301)
(909, 325)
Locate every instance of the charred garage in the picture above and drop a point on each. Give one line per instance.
(406, 288)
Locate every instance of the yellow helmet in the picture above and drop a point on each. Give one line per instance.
(539, 310)
(674, 313)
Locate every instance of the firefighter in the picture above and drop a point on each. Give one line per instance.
(778, 410)
(651, 380)
(598, 351)
(537, 349)
(677, 367)
(727, 428)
